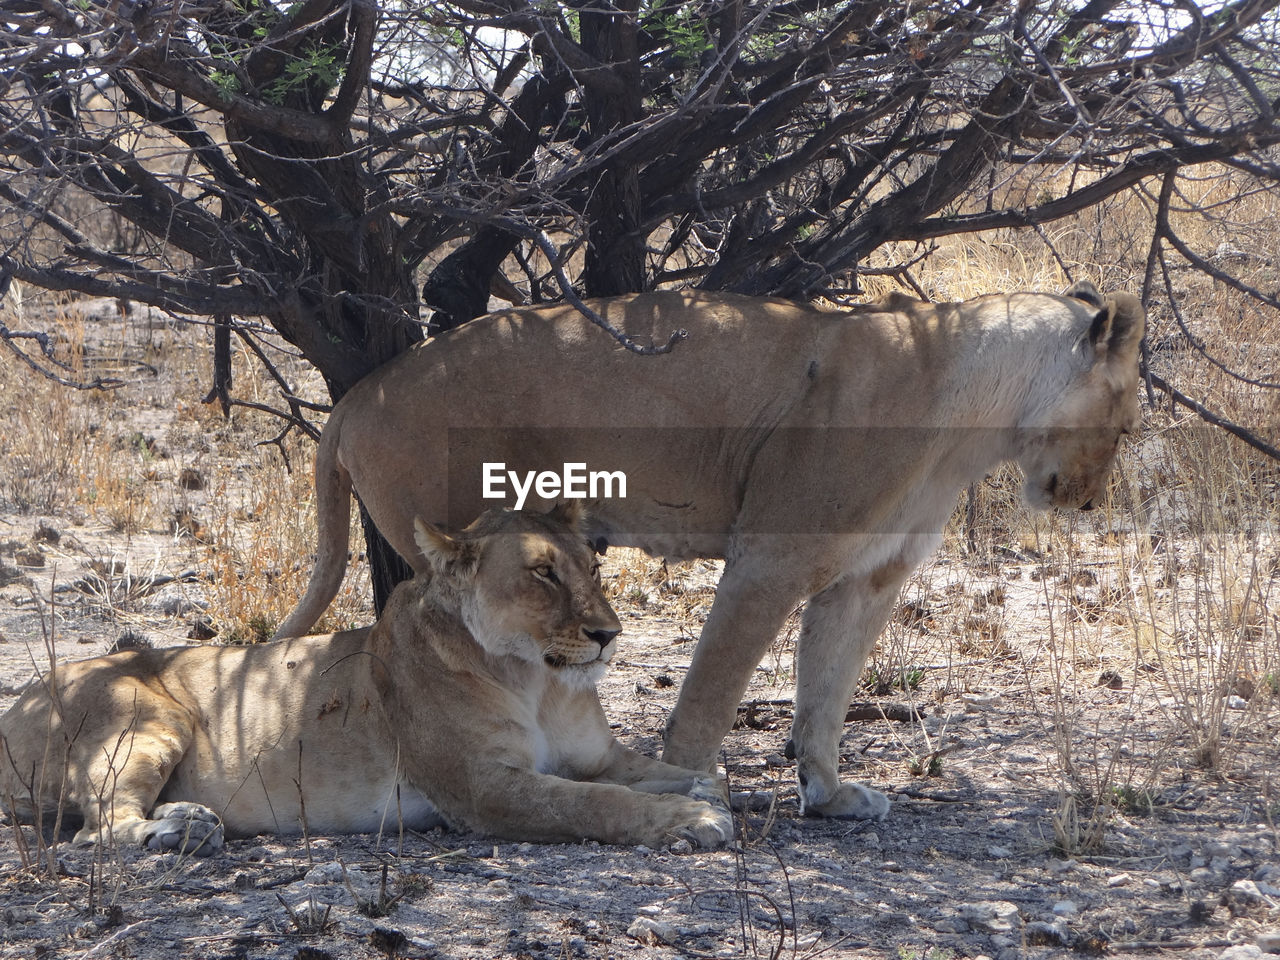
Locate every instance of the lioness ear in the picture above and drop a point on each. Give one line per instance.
(568, 512)
(1128, 325)
(441, 551)
(1084, 290)
(1118, 327)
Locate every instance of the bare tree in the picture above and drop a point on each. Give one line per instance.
(346, 170)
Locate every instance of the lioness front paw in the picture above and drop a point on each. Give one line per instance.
(184, 828)
(710, 790)
(709, 828)
(851, 801)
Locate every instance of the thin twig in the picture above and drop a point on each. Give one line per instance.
(97, 383)
(1207, 415)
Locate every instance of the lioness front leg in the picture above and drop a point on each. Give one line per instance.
(752, 602)
(647, 775)
(523, 805)
(839, 630)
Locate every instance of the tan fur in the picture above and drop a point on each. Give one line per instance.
(471, 700)
(819, 453)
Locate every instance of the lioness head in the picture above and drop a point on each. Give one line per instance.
(529, 586)
(1078, 433)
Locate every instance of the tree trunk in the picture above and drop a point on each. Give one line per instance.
(386, 567)
(615, 258)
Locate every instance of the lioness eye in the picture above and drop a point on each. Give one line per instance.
(546, 573)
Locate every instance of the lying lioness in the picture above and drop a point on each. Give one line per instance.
(820, 453)
(471, 701)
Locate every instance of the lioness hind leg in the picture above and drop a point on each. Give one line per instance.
(181, 827)
(129, 744)
(838, 632)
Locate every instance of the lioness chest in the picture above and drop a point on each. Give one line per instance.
(539, 722)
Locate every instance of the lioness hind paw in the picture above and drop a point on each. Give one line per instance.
(186, 828)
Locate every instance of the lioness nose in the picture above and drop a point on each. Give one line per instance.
(602, 637)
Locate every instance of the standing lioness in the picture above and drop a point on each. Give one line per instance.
(472, 701)
(818, 453)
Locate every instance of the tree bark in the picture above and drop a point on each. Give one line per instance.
(615, 257)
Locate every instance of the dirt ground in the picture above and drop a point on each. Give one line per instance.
(1011, 740)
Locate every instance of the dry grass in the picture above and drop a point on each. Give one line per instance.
(189, 476)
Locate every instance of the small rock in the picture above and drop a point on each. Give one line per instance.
(651, 931)
(1062, 866)
(1269, 941)
(29, 557)
(176, 603)
(995, 916)
(649, 910)
(891, 866)
(980, 702)
(699, 930)
(999, 853)
(1201, 875)
(682, 847)
(1242, 951)
(1065, 908)
(1242, 896)
(46, 534)
(1118, 880)
(1246, 891)
(324, 873)
(1237, 703)
(951, 925)
(202, 629)
(1268, 873)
